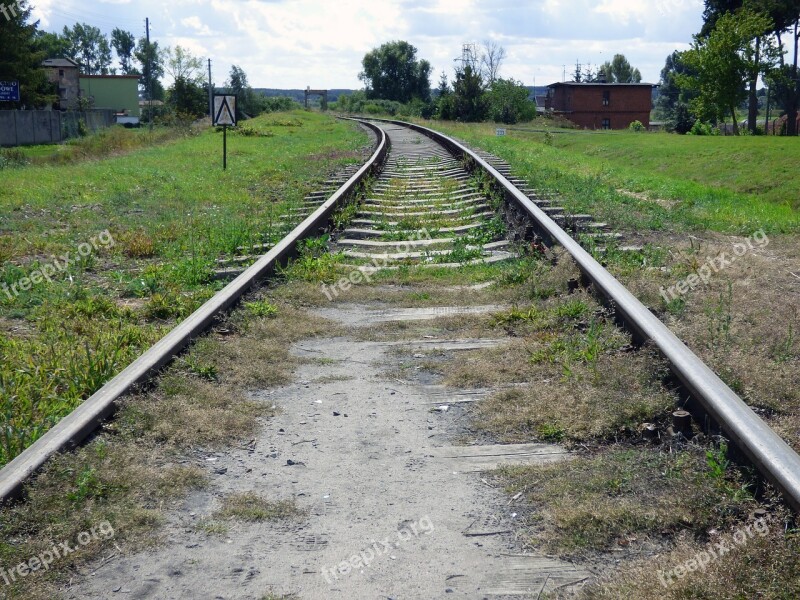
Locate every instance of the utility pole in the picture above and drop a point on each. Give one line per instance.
(149, 73)
(210, 93)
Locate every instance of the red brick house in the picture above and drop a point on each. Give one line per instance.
(601, 105)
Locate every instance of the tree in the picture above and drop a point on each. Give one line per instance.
(186, 96)
(392, 72)
(508, 102)
(782, 14)
(619, 70)
(151, 59)
(88, 47)
(445, 102)
(124, 43)
(21, 57)
(182, 64)
(492, 59)
(673, 99)
(723, 61)
(785, 87)
(469, 102)
(52, 44)
(577, 77)
(247, 101)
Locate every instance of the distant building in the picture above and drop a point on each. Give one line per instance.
(120, 93)
(63, 74)
(601, 105)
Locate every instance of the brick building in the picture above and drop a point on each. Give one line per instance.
(63, 74)
(601, 105)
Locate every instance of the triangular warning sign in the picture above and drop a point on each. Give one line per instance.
(224, 110)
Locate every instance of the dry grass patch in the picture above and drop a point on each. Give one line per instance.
(623, 391)
(259, 355)
(186, 411)
(765, 566)
(455, 327)
(744, 323)
(250, 507)
(626, 496)
(111, 481)
(136, 468)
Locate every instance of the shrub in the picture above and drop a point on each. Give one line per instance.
(12, 157)
(636, 126)
(700, 128)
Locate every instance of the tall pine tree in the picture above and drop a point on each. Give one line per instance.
(21, 59)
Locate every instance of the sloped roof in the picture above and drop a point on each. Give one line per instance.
(60, 62)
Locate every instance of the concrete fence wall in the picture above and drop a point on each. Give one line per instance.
(27, 127)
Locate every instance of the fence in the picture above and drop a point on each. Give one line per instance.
(27, 127)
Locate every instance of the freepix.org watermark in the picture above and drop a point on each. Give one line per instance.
(8, 10)
(714, 552)
(714, 265)
(48, 271)
(363, 559)
(41, 562)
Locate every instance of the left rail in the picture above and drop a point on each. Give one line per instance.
(80, 423)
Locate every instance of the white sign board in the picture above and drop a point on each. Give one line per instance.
(224, 110)
(500, 132)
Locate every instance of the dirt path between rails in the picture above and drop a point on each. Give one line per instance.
(393, 508)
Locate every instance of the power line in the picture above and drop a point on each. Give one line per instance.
(89, 19)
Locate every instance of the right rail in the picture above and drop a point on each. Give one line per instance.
(773, 457)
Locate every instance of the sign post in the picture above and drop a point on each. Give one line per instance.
(9, 91)
(224, 114)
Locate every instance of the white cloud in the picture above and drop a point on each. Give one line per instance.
(294, 43)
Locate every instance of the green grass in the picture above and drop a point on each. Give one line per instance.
(171, 211)
(656, 181)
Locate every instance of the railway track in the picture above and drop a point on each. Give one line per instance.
(428, 206)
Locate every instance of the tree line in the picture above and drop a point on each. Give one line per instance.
(23, 47)
(397, 82)
(741, 43)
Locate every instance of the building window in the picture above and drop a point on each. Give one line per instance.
(606, 98)
(61, 72)
(606, 124)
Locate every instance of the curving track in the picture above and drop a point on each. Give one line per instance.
(424, 209)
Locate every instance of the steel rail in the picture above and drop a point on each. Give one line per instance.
(764, 448)
(81, 422)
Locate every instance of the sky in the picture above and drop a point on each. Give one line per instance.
(300, 43)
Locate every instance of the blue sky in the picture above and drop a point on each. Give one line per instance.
(299, 43)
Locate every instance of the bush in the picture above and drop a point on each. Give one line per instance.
(636, 126)
(508, 102)
(279, 104)
(12, 157)
(700, 128)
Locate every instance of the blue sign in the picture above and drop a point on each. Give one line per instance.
(9, 91)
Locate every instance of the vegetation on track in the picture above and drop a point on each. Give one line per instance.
(171, 212)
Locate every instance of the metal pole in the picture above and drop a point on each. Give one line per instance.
(224, 147)
(149, 75)
(210, 93)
